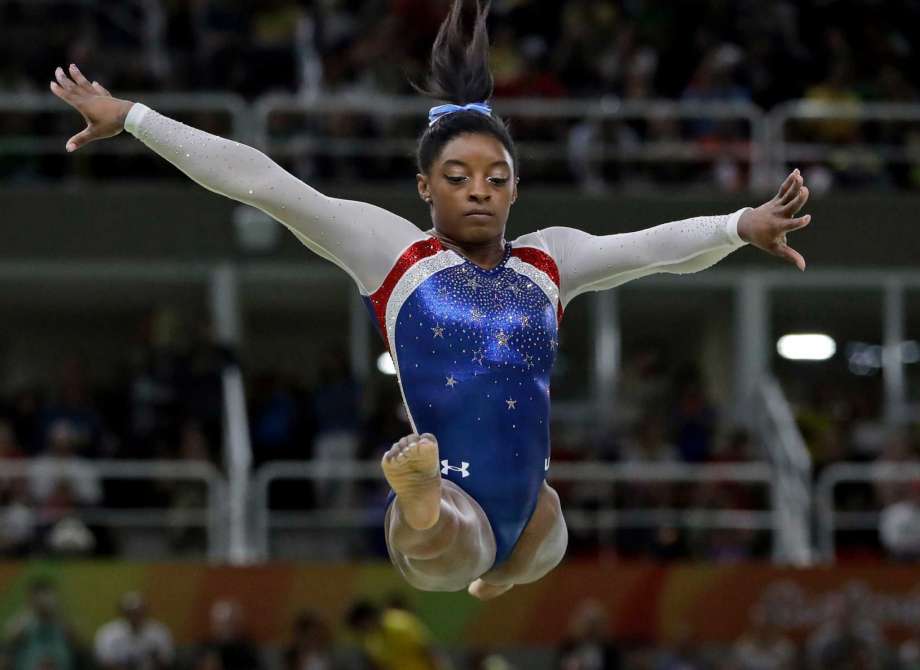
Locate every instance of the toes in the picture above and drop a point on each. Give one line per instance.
(428, 436)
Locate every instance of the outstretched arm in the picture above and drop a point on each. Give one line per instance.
(596, 262)
(362, 239)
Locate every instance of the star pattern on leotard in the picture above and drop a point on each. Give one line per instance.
(497, 340)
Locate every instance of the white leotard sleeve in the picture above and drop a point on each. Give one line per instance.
(362, 239)
(596, 262)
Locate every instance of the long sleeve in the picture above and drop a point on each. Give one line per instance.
(597, 262)
(362, 239)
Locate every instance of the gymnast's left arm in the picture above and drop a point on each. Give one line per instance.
(597, 262)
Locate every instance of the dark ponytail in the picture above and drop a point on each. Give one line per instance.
(460, 75)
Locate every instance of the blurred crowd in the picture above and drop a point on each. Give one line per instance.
(166, 402)
(388, 635)
(706, 51)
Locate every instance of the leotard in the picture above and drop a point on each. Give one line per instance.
(473, 348)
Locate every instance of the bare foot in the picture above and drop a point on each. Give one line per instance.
(411, 468)
(484, 591)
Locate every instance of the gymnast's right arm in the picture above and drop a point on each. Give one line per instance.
(362, 239)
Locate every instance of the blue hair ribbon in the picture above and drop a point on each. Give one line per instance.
(443, 110)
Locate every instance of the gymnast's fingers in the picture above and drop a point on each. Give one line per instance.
(795, 224)
(786, 185)
(793, 190)
(79, 78)
(99, 88)
(796, 203)
(63, 80)
(791, 255)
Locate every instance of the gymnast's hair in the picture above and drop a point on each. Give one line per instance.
(460, 75)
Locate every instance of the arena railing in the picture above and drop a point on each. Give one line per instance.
(785, 449)
(34, 124)
(568, 139)
(210, 517)
(834, 134)
(832, 520)
(602, 478)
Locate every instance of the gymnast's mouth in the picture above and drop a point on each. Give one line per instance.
(479, 212)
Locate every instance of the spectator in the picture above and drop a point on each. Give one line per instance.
(39, 638)
(588, 645)
(392, 639)
(229, 647)
(909, 652)
(488, 660)
(61, 482)
(681, 654)
(764, 647)
(899, 526)
(850, 638)
(9, 447)
(74, 407)
(311, 645)
(187, 498)
(649, 444)
(275, 419)
(134, 641)
(337, 407)
(17, 516)
(694, 417)
(18, 519)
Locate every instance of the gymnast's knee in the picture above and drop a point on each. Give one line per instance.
(429, 578)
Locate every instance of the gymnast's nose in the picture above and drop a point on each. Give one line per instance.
(479, 191)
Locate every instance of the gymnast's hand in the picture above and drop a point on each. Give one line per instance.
(766, 227)
(104, 115)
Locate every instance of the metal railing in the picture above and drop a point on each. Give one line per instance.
(228, 112)
(215, 516)
(786, 451)
(607, 519)
(211, 517)
(831, 520)
(835, 131)
(572, 139)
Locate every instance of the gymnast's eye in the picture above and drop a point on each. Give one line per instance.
(454, 179)
(499, 181)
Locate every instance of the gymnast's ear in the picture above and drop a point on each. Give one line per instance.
(424, 189)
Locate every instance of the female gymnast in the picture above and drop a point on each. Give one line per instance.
(469, 318)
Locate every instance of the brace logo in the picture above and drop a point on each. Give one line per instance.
(447, 468)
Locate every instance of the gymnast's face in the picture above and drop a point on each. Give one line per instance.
(470, 189)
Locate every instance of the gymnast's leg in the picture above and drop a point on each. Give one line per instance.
(539, 549)
(437, 535)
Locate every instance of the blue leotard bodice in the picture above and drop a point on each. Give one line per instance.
(474, 350)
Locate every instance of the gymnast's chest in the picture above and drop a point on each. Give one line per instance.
(486, 317)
